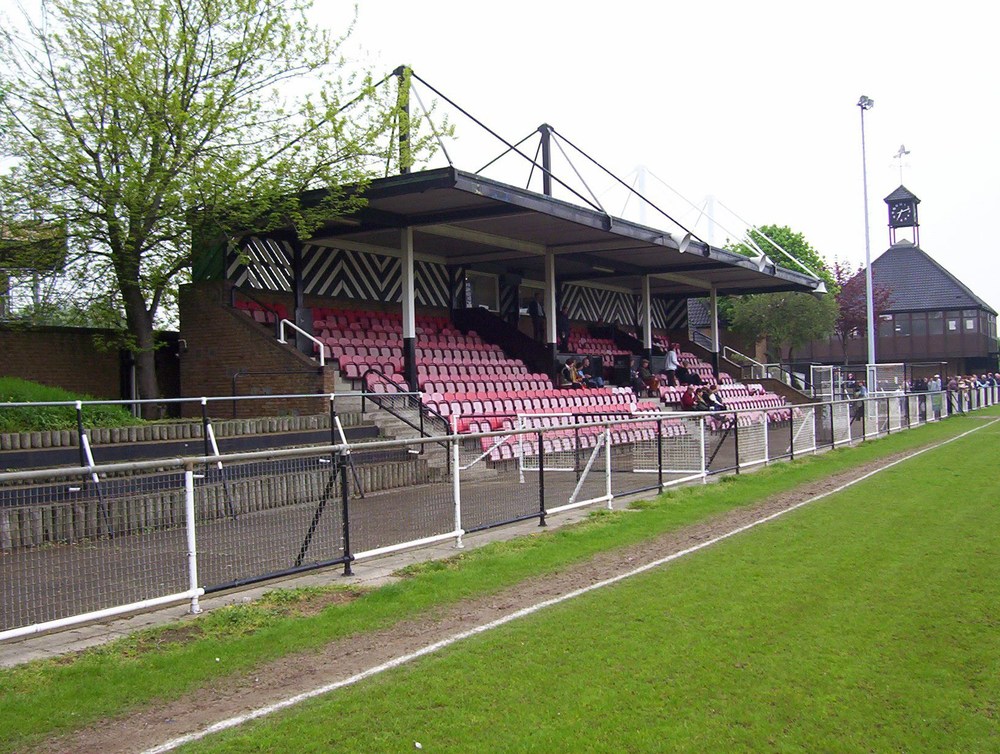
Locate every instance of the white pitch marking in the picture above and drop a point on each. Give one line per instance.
(233, 722)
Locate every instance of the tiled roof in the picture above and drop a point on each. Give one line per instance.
(919, 283)
(900, 194)
(698, 312)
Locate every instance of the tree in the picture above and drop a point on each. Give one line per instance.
(788, 320)
(126, 118)
(852, 301)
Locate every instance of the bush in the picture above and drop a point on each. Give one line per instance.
(36, 418)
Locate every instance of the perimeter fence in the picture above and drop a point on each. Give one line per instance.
(91, 541)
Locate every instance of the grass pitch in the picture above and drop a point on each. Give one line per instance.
(864, 622)
(868, 622)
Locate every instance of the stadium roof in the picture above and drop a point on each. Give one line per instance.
(919, 283)
(461, 218)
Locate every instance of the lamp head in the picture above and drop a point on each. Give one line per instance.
(866, 103)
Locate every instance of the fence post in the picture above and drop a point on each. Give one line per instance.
(888, 417)
(345, 516)
(191, 536)
(704, 460)
(791, 433)
(541, 480)
(607, 466)
(659, 453)
(456, 486)
(736, 439)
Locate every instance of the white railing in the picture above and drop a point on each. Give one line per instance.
(313, 338)
(256, 516)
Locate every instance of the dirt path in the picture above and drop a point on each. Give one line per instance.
(347, 657)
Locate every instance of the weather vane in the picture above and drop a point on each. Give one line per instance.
(903, 151)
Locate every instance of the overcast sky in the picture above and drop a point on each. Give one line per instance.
(751, 103)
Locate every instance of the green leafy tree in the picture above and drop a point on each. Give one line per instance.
(788, 320)
(126, 118)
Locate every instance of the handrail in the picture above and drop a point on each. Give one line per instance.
(699, 338)
(728, 352)
(313, 338)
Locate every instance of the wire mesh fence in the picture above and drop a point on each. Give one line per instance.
(84, 542)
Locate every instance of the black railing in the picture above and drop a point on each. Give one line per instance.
(391, 399)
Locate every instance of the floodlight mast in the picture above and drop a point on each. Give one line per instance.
(866, 103)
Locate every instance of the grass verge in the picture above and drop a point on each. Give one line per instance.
(145, 668)
(41, 418)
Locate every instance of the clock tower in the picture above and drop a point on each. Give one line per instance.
(903, 213)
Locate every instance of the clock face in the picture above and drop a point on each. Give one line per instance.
(901, 214)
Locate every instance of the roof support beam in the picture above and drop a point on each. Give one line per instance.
(687, 280)
(486, 239)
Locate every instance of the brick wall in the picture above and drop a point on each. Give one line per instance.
(224, 352)
(63, 357)
(71, 358)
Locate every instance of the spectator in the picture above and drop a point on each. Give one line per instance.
(934, 387)
(649, 381)
(686, 377)
(701, 402)
(849, 385)
(588, 374)
(672, 363)
(562, 329)
(714, 400)
(570, 376)
(860, 393)
(689, 401)
(537, 313)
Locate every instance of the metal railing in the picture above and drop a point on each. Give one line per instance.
(90, 541)
(319, 343)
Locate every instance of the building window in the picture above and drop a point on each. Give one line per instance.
(902, 328)
(970, 324)
(919, 324)
(952, 321)
(885, 326)
(935, 323)
(482, 290)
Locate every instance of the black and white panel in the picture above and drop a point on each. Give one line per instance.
(670, 313)
(261, 263)
(337, 273)
(598, 305)
(430, 284)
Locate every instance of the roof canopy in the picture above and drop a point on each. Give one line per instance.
(461, 218)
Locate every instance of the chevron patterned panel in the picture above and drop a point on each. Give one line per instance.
(670, 313)
(337, 273)
(430, 284)
(261, 263)
(509, 302)
(597, 304)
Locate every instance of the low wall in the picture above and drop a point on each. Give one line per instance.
(66, 438)
(142, 512)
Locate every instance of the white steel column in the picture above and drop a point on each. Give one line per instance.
(409, 315)
(409, 309)
(714, 305)
(550, 297)
(647, 316)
